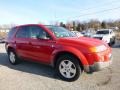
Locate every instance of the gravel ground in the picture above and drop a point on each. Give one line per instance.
(32, 76)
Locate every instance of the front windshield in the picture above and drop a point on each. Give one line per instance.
(61, 32)
(103, 32)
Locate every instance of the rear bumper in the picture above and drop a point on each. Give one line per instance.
(97, 66)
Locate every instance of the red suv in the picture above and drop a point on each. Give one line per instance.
(58, 47)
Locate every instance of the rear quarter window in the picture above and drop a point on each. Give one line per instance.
(11, 33)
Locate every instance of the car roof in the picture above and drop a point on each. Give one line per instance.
(104, 30)
(33, 25)
(74, 31)
(29, 25)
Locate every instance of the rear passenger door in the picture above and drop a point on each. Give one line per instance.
(22, 42)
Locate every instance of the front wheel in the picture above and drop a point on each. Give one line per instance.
(68, 68)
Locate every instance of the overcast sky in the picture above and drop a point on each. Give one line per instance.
(34, 11)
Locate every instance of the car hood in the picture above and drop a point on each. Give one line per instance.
(81, 41)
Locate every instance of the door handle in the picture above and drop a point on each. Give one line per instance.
(14, 42)
(29, 43)
(37, 47)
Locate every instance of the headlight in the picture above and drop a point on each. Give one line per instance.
(98, 48)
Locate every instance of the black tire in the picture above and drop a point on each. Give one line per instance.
(16, 61)
(75, 64)
(112, 42)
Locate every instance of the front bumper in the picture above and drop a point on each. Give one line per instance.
(97, 66)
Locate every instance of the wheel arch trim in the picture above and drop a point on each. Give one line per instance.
(72, 51)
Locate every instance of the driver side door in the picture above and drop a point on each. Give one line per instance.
(41, 43)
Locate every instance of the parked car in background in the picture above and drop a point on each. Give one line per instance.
(2, 40)
(58, 47)
(88, 32)
(77, 33)
(106, 35)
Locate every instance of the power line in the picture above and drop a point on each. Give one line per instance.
(97, 12)
(102, 11)
(107, 3)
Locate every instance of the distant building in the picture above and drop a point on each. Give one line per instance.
(4, 30)
(114, 28)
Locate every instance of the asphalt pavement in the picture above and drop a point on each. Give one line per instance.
(33, 76)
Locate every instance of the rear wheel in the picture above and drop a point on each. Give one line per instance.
(68, 68)
(13, 58)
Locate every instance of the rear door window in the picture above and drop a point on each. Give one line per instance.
(23, 32)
